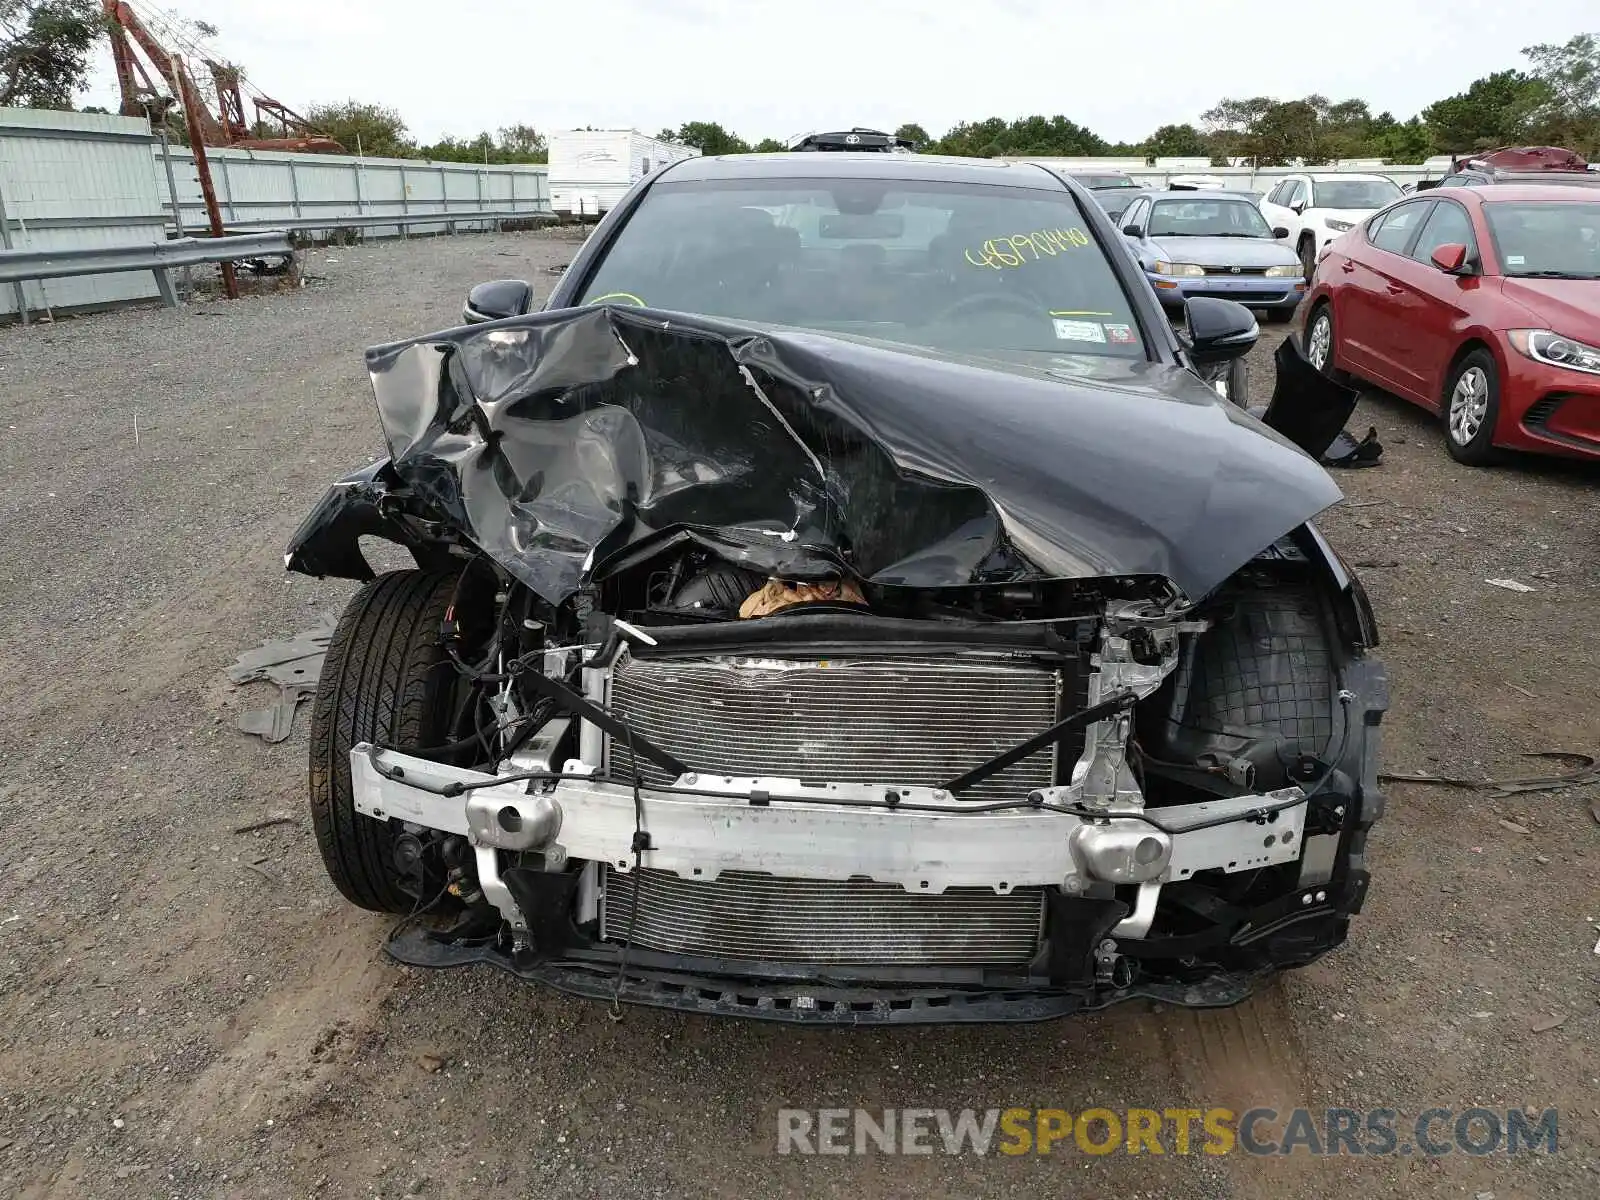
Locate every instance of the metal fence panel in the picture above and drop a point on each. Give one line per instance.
(77, 180)
(256, 187)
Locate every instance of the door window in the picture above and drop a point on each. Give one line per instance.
(1295, 194)
(1276, 195)
(1447, 223)
(1398, 226)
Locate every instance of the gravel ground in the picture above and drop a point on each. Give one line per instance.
(188, 1011)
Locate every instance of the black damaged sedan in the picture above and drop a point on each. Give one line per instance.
(848, 602)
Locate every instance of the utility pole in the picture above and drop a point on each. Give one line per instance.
(202, 166)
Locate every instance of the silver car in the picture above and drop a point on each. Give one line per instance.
(1212, 244)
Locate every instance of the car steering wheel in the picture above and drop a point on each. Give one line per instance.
(993, 300)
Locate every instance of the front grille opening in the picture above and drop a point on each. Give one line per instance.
(1538, 414)
(910, 721)
(749, 915)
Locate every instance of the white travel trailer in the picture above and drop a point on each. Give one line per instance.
(590, 169)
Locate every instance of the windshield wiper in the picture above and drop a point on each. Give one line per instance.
(1243, 235)
(1557, 275)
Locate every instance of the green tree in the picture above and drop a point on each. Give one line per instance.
(1311, 130)
(513, 144)
(710, 138)
(480, 149)
(377, 131)
(913, 133)
(522, 143)
(1177, 141)
(1345, 130)
(770, 146)
(1228, 125)
(44, 50)
(1285, 132)
(1045, 137)
(1401, 142)
(1569, 114)
(1493, 111)
(979, 139)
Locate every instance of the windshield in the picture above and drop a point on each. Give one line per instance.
(1353, 193)
(1115, 201)
(1551, 240)
(1105, 181)
(962, 267)
(1207, 218)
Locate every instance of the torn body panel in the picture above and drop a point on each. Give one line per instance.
(369, 502)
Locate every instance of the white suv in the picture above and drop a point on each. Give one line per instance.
(1315, 209)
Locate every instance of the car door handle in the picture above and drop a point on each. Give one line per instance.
(1347, 267)
(1394, 291)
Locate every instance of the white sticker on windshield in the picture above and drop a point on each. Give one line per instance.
(1515, 260)
(1079, 331)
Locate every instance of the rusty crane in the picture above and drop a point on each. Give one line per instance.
(141, 95)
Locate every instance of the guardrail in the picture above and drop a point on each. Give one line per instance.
(450, 220)
(156, 257)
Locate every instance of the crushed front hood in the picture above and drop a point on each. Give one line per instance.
(554, 440)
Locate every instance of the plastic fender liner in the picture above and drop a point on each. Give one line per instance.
(1307, 407)
(328, 542)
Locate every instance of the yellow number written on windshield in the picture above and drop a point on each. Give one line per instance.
(1013, 250)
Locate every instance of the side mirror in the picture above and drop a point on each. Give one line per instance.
(496, 299)
(1133, 231)
(1450, 258)
(1219, 330)
(1280, 232)
(1298, 207)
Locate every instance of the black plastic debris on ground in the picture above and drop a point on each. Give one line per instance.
(1313, 417)
(294, 664)
(1346, 451)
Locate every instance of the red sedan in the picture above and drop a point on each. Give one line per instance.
(1481, 304)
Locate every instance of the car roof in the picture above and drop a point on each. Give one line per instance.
(848, 164)
(1203, 193)
(1336, 176)
(1501, 192)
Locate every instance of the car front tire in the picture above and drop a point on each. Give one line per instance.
(1471, 409)
(1308, 256)
(386, 678)
(1319, 342)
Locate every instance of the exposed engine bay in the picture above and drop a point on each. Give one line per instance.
(791, 766)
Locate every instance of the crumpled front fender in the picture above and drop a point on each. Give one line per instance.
(366, 503)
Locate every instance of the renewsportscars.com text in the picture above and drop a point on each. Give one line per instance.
(1432, 1133)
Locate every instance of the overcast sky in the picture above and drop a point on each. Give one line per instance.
(769, 68)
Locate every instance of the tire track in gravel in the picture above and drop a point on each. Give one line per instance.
(1240, 1057)
(293, 1041)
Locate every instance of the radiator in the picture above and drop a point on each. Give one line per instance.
(907, 721)
(748, 915)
